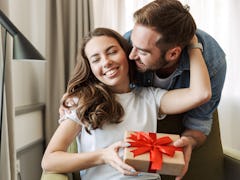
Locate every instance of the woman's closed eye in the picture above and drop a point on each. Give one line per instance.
(95, 59)
(112, 52)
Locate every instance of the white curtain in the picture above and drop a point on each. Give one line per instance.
(67, 23)
(218, 18)
(116, 14)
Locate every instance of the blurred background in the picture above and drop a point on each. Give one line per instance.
(55, 28)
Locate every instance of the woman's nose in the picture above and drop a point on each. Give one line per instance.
(107, 63)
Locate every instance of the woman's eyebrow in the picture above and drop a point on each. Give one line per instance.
(110, 47)
(94, 55)
(106, 50)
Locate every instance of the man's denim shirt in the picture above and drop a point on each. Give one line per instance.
(199, 118)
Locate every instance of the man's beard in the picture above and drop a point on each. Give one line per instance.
(142, 70)
(161, 64)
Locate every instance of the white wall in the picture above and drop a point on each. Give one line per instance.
(29, 75)
(220, 19)
(28, 82)
(29, 18)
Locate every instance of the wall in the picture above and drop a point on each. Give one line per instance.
(29, 89)
(220, 19)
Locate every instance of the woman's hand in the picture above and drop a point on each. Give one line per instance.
(110, 156)
(194, 40)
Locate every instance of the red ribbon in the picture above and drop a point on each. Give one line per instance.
(148, 142)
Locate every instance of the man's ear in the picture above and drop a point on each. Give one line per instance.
(173, 53)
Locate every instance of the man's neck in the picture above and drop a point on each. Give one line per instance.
(166, 71)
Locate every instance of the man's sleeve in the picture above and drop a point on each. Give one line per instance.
(200, 118)
(127, 36)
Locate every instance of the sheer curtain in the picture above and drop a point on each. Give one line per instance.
(218, 18)
(116, 14)
(67, 22)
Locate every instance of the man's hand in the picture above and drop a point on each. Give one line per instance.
(188, 141)
(62, 110)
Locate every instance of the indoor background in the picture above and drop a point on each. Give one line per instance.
(35, 87)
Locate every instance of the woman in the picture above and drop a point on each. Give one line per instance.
(105, 106)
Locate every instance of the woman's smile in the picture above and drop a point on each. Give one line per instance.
(111, 73)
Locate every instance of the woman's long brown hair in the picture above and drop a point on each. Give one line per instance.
(97, 104)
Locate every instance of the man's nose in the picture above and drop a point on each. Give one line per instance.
(133, 54)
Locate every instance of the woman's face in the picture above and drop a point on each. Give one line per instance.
(108, 62)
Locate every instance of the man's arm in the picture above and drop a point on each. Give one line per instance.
(197, 137)
(198, 122)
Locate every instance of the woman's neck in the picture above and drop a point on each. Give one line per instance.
(121, 89)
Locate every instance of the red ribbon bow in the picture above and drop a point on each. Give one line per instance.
(148, 142)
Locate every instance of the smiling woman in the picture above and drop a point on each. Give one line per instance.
(102, 104)
(108, 63)
(212, 16)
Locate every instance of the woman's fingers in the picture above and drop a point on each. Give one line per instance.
(112, 158)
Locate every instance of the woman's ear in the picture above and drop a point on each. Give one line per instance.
(173, 53)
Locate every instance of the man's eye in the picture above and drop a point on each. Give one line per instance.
(142, 53)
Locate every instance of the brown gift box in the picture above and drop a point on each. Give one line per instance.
(170, 165)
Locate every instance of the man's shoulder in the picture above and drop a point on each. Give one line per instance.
(209, 42)
(127, 36)
(212, 51)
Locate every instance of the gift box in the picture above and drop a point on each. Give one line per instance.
(153, 152)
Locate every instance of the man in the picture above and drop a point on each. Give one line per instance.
(160, 39)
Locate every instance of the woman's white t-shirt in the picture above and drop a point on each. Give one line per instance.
(141, 107)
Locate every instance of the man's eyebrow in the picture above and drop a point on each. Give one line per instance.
(142, 49)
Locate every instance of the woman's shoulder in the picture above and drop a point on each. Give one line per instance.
(70, 113)
(71, 101)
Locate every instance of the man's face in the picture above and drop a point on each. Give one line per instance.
(145, 52)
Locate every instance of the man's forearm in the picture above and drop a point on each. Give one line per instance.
(198, 137)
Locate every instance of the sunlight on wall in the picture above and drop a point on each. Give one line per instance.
(122, 18)
(130, 9)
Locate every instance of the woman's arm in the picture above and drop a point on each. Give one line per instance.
(56, 158)
(199, 91)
